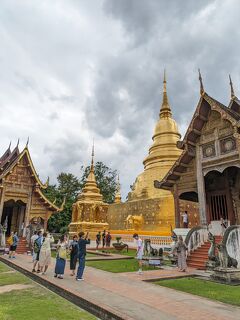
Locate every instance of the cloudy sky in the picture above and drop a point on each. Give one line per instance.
(77, 69)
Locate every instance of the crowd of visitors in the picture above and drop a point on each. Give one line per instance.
(41, 253)
(41, 243)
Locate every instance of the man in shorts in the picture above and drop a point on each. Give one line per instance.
(139, 251)
(13, 246)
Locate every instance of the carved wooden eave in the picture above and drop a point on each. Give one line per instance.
(26, 153)
(234, 104)
(51, 206)
(205, 105)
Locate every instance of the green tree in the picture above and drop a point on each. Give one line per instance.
(68, 186)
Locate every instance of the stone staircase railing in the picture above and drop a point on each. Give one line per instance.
(196, 238)
(231, 240)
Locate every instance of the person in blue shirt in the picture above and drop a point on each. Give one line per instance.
(13, 246)
(82, 242)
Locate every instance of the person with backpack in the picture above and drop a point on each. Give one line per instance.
(36, 249)
(32, 240)
(13, 241)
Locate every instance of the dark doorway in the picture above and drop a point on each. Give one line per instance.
(13, 215)
(218, 195)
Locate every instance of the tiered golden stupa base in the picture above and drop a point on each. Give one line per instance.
(91, 227)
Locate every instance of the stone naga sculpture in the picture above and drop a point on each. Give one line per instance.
(148, 250)
(225, 261)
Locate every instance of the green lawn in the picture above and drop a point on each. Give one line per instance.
(130, 253)
(207, 289)
(12, 278)
(117, 266)
(4, 268)
(35, 303)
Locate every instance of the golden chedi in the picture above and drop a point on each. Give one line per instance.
(150, 210)
(89, 212)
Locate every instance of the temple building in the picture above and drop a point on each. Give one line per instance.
(89, 212)
(208, 169)
(150, 210)
(22, 201)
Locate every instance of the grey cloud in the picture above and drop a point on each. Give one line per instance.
(96, 70)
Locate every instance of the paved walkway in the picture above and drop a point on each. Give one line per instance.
(127, 295)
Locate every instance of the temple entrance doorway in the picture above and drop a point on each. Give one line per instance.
(219, 201)
(13, 216)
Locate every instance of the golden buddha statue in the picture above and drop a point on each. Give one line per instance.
(155, 207)
(89, 212)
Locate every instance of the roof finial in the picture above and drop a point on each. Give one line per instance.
(9, 145)
(165, 111)
(201, 83)
(18, 142)
(92, 162)
(27, 142)
(231, 86)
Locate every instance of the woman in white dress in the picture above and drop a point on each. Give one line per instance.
(45, 252)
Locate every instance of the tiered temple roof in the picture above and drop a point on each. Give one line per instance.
(10, 159)
(201, 115)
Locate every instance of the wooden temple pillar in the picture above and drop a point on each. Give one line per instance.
(201, 187)
(176, 205)
(2, 201)
(28, 210)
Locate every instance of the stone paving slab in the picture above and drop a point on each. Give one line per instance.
(128, 297)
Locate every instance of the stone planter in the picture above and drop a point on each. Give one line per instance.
(119, 246)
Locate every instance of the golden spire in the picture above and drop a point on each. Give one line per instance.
(91, 192)
(92, 162)
(165, 111)
(231, 86)
(201, 83)
(118, 198)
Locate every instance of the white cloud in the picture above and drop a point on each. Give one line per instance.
(74, 70)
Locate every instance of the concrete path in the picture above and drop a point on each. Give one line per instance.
(127, 296)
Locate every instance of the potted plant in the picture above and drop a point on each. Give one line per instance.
(119, 246)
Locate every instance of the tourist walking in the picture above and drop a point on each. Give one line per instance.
(82, 242)
(185, 219)
(139, 251)
(45, 252)
(61, 257)
(108, 240)
(32, 240)
(73, 254)
(98, 240)
(36, 249)
(181, 249)
(104, 239)
(13, 245)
